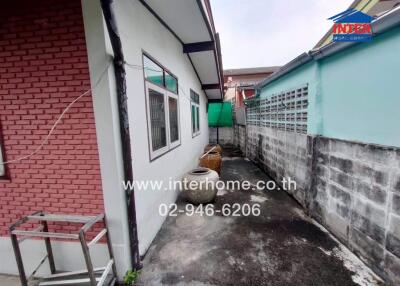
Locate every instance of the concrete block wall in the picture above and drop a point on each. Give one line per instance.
(241, 137)
(357, 196)
(282, 155)
(351, 188)
(225, 135)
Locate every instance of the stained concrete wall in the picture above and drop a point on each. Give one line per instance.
(282, 155)
(235, 135)
(357, 196)
(225, 135)
(351, 188)
(239, 139)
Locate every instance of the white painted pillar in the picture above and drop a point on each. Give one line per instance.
(107, 129)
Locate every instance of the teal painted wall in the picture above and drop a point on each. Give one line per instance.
(354, 94)
(361, 92)
(307, 74)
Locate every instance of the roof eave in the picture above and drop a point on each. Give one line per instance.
(206, 14)
(217, 44)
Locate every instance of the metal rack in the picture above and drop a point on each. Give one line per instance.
(90, 276)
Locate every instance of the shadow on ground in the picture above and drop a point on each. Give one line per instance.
(281, 246)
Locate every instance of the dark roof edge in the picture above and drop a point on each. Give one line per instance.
(209, 21)
(379, 26)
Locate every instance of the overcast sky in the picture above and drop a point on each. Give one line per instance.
(271, 32)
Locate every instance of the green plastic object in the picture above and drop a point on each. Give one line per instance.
(220, 114)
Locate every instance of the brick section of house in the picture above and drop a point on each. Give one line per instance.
(43, 67)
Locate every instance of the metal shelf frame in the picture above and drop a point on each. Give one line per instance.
(92, 276)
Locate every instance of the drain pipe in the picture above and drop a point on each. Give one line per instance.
(120, 80)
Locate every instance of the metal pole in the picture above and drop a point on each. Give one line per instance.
(18, 258)
(88, 260)
(49, 249)
(110, 250)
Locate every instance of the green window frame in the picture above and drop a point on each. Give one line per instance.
(157, 74)
(195, 112)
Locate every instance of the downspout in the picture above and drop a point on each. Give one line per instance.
(120, 80)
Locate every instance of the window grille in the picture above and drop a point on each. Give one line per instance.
(157, 115)
(195, 110)
(173, 118)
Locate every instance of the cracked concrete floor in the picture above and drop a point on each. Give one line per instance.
(282, 246)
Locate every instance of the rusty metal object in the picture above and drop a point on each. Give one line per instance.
(95, 277)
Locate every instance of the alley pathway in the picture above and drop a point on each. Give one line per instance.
(282, 246)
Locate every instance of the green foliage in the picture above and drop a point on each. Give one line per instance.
(131, 276)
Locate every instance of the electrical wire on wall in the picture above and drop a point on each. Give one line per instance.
(68, 107)
(60, 117)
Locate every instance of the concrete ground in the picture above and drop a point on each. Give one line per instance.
(9, 280)
(282, 246)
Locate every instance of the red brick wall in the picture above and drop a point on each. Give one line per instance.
(43, 67)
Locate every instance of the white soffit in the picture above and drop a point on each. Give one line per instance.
(213, 93)
(184, 17)
(206, 66)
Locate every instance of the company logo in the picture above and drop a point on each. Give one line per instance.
(352, 26)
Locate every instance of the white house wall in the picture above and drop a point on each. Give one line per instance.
(141, 31)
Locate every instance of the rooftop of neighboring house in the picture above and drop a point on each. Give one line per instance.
(374, 8)
(246, 78)
(381, 24)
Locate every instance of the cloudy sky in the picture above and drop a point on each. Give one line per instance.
(271, 32)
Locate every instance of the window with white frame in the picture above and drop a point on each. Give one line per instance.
(195, 111)
(162, 106)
